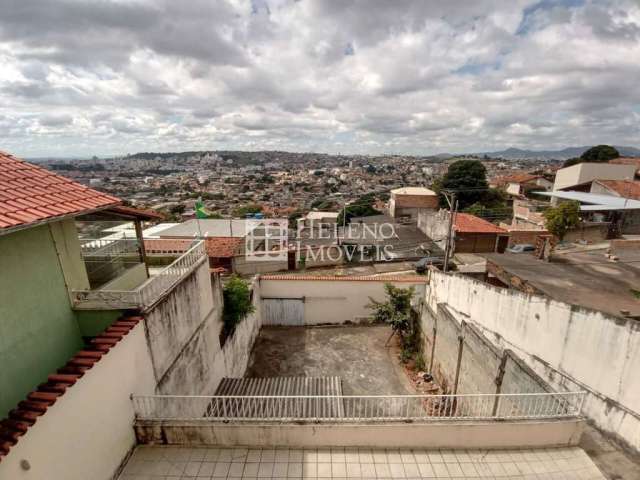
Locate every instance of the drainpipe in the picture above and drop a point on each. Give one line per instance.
(459, 362)
(498, 381)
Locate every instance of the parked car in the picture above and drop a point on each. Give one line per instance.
(422, 264)
(521, 248)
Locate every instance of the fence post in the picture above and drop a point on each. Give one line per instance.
(499, 378)
(459, 361)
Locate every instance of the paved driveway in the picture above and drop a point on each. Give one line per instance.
(357, 354)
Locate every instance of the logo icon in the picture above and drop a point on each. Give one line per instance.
(266, 239)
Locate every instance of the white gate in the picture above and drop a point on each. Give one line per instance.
(283, 311)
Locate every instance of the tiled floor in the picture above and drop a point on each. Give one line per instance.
(156, 462)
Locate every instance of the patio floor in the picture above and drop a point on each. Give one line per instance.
(162, 462)
(357, 354)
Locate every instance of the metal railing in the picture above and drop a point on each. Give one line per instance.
(106, 259)
(366, 408)
(149, 292)
(106, 247)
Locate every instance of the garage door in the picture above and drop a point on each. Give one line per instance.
(283, 311)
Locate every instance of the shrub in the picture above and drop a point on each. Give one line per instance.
(237, 303)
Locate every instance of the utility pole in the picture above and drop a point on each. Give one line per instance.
(453, 205)
(344, 222)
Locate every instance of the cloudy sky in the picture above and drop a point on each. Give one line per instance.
(349, 76)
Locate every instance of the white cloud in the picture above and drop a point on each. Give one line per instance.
(355, 76)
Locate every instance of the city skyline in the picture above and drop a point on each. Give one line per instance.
(418, 78)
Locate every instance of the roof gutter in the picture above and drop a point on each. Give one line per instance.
(45, 221)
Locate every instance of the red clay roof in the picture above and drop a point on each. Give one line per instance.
(627, 161)
(216, 247)
(515, 178)
(467, 223)
(167, 245)
(222, 247)
(38, 401)
(624, 188)
(31, 194)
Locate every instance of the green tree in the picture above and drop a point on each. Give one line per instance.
(597, 154)
(237, 303)
(362, 207)
(559, 220)
(468, 178)
(396, 311)
(248, 209)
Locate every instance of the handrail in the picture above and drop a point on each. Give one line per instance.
(357, 408)
(150, 291)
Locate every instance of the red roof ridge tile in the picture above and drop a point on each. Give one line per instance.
(38, 401)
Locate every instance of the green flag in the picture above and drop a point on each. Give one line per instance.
(201, 212)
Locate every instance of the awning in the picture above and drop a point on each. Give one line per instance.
(595, 201)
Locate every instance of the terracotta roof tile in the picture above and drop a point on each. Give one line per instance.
(30, 194)
(520, 177)
(37, 402)
(624, 188)
(222, 247)
(467, 223)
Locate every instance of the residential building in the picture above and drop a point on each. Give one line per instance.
(85, 322)
(628, 161)
(603, 216)
(471, 234)
(315, 221)
(409, 201)
(580, 176)
(519, 184)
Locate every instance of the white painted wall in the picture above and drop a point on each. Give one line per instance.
(447, 434)
(570, 347)
(334, 301)
(88, 432)
(587, 172)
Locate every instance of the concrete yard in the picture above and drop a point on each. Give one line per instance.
(157, 462)
(357, 354)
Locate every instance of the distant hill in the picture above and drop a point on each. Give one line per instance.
(570, 152)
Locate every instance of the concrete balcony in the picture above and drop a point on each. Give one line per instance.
(141, 296)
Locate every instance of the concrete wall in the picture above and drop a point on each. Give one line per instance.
(587, 172)
(482, 367)
(182, 332)
(245, 266)
(87, 433)
(130, 279)
(434, 225)
(333, 301)
(38, 330)
(569, 347)
(588, 231)
(454, 435)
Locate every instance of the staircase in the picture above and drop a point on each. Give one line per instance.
(277, 398)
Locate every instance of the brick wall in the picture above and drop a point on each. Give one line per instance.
(416, 201)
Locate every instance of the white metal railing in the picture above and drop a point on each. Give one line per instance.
(359, 408)
(107, 247)
(149, 292)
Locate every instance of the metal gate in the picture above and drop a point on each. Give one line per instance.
(283, 311)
